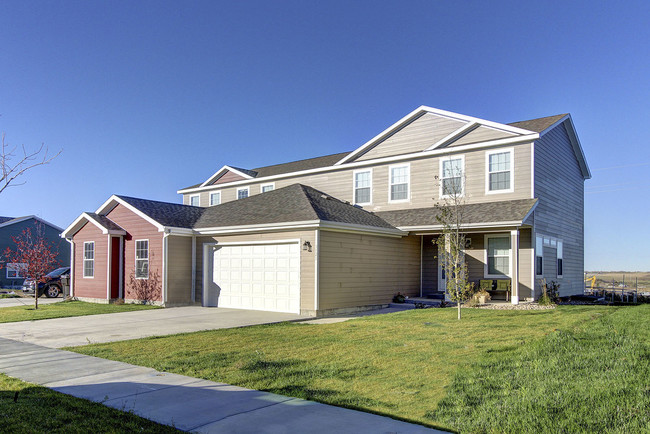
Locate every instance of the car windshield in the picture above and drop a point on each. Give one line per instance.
(57, 272)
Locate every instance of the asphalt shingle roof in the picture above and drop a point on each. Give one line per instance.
(293, 203)
(5, 219)
(105, 221)
(538, 125)
(476, 213)
(166, 213)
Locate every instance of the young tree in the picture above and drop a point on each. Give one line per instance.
(14, 162)
(451, 243)
(36, 255)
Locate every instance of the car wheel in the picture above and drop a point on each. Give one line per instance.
(52, 291)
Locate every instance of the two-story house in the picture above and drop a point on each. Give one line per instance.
(350, 230)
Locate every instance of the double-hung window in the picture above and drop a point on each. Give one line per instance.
(539, 255)
(16, 271)
(142, 259)
(499, 171)
(89, 259)
(242, 193)
(498, 255)
(451, 176)
(363, 187)
(215, 198)
(399, 182)
(195, 200)
(560, 258)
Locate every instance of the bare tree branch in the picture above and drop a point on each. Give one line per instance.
(14, 164)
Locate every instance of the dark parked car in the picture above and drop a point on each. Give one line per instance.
(52, 287)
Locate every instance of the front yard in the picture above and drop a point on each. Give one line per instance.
(64, 309)
(575, 368)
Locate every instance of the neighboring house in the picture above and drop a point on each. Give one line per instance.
(350, 230)
(11, 274)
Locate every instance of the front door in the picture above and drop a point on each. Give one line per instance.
(442, 278)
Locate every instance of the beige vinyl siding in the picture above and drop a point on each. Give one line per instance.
(482, 134)
(526, 261)
(361, 270)
(424, 188)
(179, 270)
(416, 136)
(307, 260)
(559, 185)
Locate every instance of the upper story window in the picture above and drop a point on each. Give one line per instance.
(499, 171)
(16, 271)
(89, 259)
(242, 193)
(267, 187)
(215, 198)
(399, 182)
(195, 200)
(363, 187)
(142, 259)
(451, 176)
(498, 255)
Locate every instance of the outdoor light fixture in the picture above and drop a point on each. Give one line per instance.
(306, 246)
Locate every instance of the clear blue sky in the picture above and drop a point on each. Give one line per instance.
(147, 97)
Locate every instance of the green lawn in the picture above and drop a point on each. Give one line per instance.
(410, 365)
(38, 409)
(64, 309)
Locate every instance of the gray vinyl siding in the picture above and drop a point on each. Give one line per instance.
(179, 270)
(424, 188)
(16, 229)
(482, 134)
(360, 270)
(559, 185)
(414, 137)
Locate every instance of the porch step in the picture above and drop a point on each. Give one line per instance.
(434, 295)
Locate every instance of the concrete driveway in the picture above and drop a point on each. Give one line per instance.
(82, 330)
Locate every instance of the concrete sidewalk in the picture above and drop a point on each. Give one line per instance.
(186, 403)
(27, 301)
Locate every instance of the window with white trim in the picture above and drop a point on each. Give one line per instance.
(363, 187)
(560, 258)
(89, 259)
(451, 177)
(498, 255)
(499, 171)
(242, 193)
(215, 198)
(16, 270)
(539, 255)
(267, 187)
(399, 182)
(195, 200)
(142, 259)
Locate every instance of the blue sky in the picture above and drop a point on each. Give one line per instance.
(145, 98)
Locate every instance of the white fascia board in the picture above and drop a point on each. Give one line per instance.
(179, 231)
(72, 229)
(308, 224)
(530, 212)
(225, 168)
(396, 158)
(575, 143)
(486, 225)
(114, 200)
(454, 135)
(487, 123)
(22, 219)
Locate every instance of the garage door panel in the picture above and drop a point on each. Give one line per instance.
(264, 277)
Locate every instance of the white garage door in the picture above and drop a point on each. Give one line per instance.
(260, 277)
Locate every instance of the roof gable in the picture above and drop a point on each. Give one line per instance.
(103, 223)
(8, 221)
(231, 173)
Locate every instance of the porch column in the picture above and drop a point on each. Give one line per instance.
(514, 275)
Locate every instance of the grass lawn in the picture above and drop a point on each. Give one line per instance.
(39, 409)
(64, 309)
(425, 366)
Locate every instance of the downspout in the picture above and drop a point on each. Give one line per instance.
(164, 264)
(193, 269)
(71, 266)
